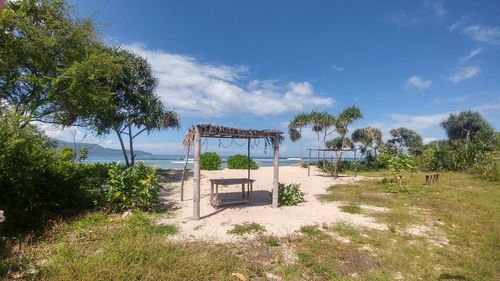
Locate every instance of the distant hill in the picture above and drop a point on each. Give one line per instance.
(97, 150)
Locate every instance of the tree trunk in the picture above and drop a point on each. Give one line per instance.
(301, 149)
(131, 145)
(122, 146)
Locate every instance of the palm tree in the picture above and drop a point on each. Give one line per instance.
(299, 121)
(345, 118)
(370, 140)
(315, 119)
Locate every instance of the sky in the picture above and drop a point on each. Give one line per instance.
(254, 64)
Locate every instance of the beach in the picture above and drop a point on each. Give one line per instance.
(286, 220)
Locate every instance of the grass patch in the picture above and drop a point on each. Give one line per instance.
(246, 228)
(351, 209)
(462, 209)
(310, 230)
(273, 241)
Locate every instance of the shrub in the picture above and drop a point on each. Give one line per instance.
(240, 161)
(134, 187)
(210, 161)
(290, 195)
(399, 163)
(37, 182)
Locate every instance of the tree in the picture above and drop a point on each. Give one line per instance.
(345, 118)
(404, 138)
(299, 121)
(370, 140)
(132, 106)
(466, 125)
(40, 40)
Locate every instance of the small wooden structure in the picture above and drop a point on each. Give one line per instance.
(331, 150)
(246, 193)
(196, 132)
(431, 178)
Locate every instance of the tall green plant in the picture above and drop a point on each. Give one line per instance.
(400, 163)
(134, 187)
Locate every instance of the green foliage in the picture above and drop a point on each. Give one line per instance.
(134, 187)
(240, 161)
(466, 125)
(406, 139)
(290, 194)
(246, 228)
(36, 180)
(370, 139)
(40, 40)
(210, 161)
(400, 164)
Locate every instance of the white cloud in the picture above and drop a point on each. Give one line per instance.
(403, 19)
(464, 73)
(473, 53)
(427, 140)
(436, 7)
(417, 82)
(197, 88)
(452, 100)
(418, 122)
(482, 33)
(337, 68)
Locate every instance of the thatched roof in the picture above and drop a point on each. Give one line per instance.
(215, 131)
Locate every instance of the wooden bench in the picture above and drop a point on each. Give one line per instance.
(431, 178)
(246, 191)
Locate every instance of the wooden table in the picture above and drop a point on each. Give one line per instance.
(246, 196)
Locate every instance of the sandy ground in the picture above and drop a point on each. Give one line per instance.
(214, 224)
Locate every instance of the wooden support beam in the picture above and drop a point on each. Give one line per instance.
(196, 171)
(309, 164)
(184, 173)
(276, 142)
(248, 155)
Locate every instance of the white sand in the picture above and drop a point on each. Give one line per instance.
(283, 221)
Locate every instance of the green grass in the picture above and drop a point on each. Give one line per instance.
(461, 211)
(351, 209)
(247, 228)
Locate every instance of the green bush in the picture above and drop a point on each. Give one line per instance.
(400, 163)
(210, 161)
(134, 187)
(37, 182)
(240, 161)
(290, 194)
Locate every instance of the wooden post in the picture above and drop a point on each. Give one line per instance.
(248, 155)
(276, 171)
(309, 164)
(355, 165)
(196, 171)
(184, 173)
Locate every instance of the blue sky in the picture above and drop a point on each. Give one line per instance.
(254, 64)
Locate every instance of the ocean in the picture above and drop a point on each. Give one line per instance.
(177, 161)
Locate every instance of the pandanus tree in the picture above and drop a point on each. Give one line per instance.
(370, 140)
(466, 125)
(345, 118)
(299, 121)
(406, 139)
(125, 83)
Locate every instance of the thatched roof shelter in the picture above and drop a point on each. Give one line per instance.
(216, 131)
(193, 137)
